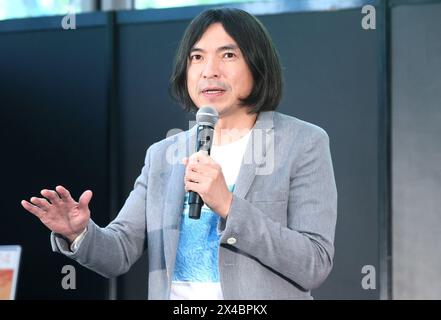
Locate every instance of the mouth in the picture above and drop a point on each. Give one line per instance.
(213, 91)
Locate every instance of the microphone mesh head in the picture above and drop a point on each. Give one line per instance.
(207, 116)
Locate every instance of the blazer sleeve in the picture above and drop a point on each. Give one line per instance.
(303, 249)
(112, 250)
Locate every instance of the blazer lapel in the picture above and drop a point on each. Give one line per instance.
(261, 139)
(174, 202)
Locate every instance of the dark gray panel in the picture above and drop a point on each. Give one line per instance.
(331, 80)
(54, 131)
(416, 110)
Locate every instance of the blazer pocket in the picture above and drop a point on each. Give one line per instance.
(273, 204)
(269, 196)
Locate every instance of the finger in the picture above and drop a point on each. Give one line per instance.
(192, 186)
(198, 166)
(199, 156)
(36, 211)
(51, 195)
(193, 158)
(85, 199)
(193, 177)
(208, 170)
(42, 203)
(203, 157)
(64, 194)
(192, 167)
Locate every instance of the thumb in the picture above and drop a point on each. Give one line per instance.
(85, 199)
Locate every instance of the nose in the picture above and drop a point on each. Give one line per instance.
(211, 69)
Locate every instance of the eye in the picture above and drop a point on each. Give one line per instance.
(195, 57)
(229, 55)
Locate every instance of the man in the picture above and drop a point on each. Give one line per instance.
(267, 227)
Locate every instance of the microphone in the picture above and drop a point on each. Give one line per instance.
(206, 119)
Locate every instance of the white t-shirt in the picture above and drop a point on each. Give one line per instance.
(196, 274)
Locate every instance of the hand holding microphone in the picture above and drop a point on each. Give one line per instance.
(203, 176)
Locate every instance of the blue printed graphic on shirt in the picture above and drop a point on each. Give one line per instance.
(197, 253)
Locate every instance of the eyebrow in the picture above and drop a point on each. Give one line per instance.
(220, 49)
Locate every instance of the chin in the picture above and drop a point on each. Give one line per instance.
(208, 104)
(222, 110)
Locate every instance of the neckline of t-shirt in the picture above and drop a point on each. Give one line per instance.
(238, 141)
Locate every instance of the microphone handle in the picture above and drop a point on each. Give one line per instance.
(195, 203)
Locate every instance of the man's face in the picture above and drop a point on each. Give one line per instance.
(217, 73)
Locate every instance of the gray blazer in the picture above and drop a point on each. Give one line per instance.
(277, 241)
